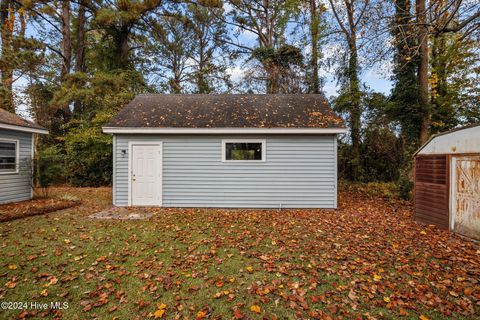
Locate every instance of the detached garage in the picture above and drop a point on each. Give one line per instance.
(447, 181)
(234, 151)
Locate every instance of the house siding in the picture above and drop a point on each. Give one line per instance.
(17, 186)
(299, 172)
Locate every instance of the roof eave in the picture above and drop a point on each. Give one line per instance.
(149, 130)
(22, 128)
(433, 136)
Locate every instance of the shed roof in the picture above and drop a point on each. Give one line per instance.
(458, 140)
(11, 121)
(210, 111)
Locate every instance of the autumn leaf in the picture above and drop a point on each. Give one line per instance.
(422, 317)
(12, 267)
(52, 281)
(352, 295)
(255, 308)
(237, 314)
(249, 269)
(403, 312)
(201, 314)
(10, 284)
(161, 306)
(159, 313)
(377, 277)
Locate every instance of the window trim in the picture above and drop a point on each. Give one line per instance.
(224, 149)
(17, 155)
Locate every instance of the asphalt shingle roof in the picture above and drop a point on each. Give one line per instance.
(227, 111)
(14, 120)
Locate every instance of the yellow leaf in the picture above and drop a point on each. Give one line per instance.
(12, 267)
(159, 313)
(162, 306)
(250, 269)
(44, 293)
(423, 232)
(422, 317)
(201, 314)
(232, 279)
(255, 308)
(386, 299)
(376, 277)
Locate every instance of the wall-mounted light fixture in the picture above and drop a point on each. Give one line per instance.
(124, 153)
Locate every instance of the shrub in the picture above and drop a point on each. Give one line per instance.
(89, 153)
(49, 168)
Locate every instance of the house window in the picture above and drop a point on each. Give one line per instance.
(8, 156)
(247, 150)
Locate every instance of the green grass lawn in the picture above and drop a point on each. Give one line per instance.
(366, 260)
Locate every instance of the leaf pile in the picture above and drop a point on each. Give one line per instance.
(18, 210)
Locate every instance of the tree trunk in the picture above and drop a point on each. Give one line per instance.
(66, 41)
(7, 20)
(66, 54)
(272, 78)
(202, 83)
(80, 49)
(354, 87)
(314, 34)
(122, 48)
(355, 112)
(423, 70)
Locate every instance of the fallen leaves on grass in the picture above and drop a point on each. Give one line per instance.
(365, 260)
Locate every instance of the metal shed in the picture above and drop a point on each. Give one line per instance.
(447, 181)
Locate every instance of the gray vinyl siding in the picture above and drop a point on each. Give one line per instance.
(299, 172)
(17, 186)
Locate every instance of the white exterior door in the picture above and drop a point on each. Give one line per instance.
(465, 216)
(146, 175)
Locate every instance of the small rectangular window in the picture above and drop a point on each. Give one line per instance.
(8, 156)
(243, 150)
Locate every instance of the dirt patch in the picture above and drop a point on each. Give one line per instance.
(121, 214)
(18, 210)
